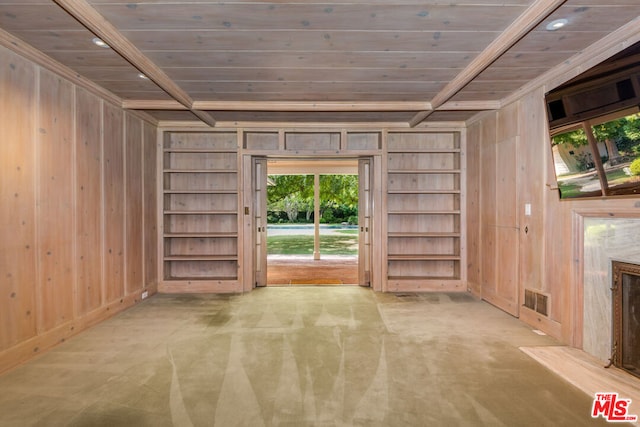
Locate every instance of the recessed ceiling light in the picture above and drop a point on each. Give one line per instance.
(142, 76)
(557, 24)
(98, 42)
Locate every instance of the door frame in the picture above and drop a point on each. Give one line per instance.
(249, 262)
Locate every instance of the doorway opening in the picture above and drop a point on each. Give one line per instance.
(312, 224)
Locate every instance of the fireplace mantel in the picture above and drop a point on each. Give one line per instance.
(604, 239)
(626, 327)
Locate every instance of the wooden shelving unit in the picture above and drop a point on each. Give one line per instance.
(424, 210)
(200, 207)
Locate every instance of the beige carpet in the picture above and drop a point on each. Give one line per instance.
(297, 356)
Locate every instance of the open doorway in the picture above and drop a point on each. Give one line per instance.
(312, 227)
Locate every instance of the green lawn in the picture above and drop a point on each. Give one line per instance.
(614, 178)
(346, 244)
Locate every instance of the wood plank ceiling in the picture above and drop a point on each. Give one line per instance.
(370, 61)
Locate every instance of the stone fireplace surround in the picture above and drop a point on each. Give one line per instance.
(604, 240)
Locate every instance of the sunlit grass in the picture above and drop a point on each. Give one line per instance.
(303, 245)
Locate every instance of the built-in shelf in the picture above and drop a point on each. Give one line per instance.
(422, 257)
(420, 212)
(197, 150)
(200, 207)
(192, 191)
(194, 212)
(201, 257)
(423, 191)
(201, 235)
(413, 234)
(199, 171)
(425, 150)
(424, 171)
(424, 217)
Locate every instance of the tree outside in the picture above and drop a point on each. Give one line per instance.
(618, 144)
(290, 199)
(290, 205)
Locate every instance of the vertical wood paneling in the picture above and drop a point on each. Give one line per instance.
(134, 197)
(474, 135)
(499, 209)
(506, 202)
(558, 252)
(534, 145)
(487, 204)
(114, 216)
(17, 222)
(507, 208)
(150, 207)
(54, 206)
(62, 226)
(88, 200)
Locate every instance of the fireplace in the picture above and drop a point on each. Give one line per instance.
(626, 317)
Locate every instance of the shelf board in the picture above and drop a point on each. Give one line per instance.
(200, 212)
(200, 171)
(201, 258)
(423, 191)
(201, 235)
(424, 171)
(399, 278)
(424, 150)
(422, 257)
(451, 212)
(405, 234)
(199, 150)
(200, 279)
(200, 191)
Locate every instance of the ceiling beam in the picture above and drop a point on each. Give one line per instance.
(295, 106)
(469, 106)
(84, 13)
(141, 104)
(528, 20)
(205, 117)
(292, 106)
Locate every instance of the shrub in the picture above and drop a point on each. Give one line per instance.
(635, 167)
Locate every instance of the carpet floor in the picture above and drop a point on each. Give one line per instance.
(297, 356)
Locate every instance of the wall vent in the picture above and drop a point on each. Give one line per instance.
(536, 301)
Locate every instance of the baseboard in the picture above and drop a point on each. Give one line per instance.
(27, 350)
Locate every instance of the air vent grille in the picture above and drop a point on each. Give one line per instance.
(536, 301)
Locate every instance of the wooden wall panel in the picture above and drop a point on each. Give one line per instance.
(17, 188)
(533, 150)
(548, 257)
(54, 206)
(507, 285)
(134, 197)
(114, 214)
(506, 185)
(507, 161)
(487, 205)
(150, 207)
(558, 252)
(497, 229)
(89, 200)
(474, 133)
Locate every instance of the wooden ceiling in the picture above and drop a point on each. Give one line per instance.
(312, 61)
